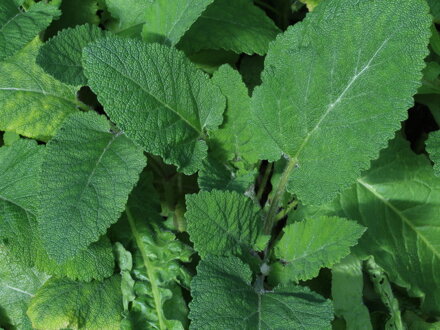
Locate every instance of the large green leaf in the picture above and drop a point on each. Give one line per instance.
(87, 175)
(130, 16)
(222, 222)
(167, 21)
(223, 298)
(18, 285)
(312, 244)
(237, 25)
(18, 27)
(61, 56)
(329, 108)
(62, 303)
(32, 103)
(156, 96)
(19, 176)
(398, 200)
(433, 147)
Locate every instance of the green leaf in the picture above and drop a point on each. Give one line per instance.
(61, 56)
(431, 80)
(130, 16)
(180, 15)
(10, 138)
(18, 285)
(238, 26)
(87, 175)
(62, 303)
(432, 101)
(235, 134)
(157, 255)
(18, 27)
(19, 174)
(320, 101)
(223, 298)
(433, 148)
(347, 293)
(156, 96)
(398, 200)
(222, 222)
(312, 244)
(32, 103)
(435, 9)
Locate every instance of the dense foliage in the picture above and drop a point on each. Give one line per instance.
(219, 164)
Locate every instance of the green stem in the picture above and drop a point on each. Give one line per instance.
(279, 192)
(286, 211)
(149, 268)
(264, 181)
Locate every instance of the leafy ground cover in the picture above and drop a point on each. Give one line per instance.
(217, 164)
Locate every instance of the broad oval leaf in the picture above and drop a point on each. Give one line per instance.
(156, 96)
(334, 91)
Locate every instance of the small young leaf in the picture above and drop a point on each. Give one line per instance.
(231, 25)
(329, 108)
(222, 222)
(223, 298)
(18, 27)
(156, 96)
(310, 245)
(61, 55)
(87, 174)
(433, 148)
(62, 303)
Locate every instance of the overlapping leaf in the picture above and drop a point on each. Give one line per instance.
(320, 102)
(156, 96)
(223, 298)
(433, 148)
(87, 175)
(32, 103)
(18, 27)
(129, 15)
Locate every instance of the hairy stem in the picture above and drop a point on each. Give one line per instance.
(286, 211)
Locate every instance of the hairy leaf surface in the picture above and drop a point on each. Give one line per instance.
(63, 303)
(433, 148)
(312, 244)
(320, 102)
(157, 97)
(223, 298)
(222, 222)
(87, 175)
(18, 27)
(32, 103)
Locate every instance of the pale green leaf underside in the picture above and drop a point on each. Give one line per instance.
(156, 96)
(237, 25)
(62, 303)
(61, 55)
(87, 175)
(347, 293)
(32, 103)
(18, 27)
(320, 102)
(167, 21)
(17, 286)
(235, 134)
(398, 200)
(19, 191)
(222, 222)
(433, 148)
(223, 298)
(312, 244)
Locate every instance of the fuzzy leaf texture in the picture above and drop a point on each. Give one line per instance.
(433, 148)
(238, 26)
(222, 222)
(61, 56)
(402, 192)
(18, 27)
(312, 244)
(319, 101)
(32, 103)
(87, 175)
(20, 169)
(62, 303)
(223, 298)
(157, 255)
(157, 97)
(167, 21)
